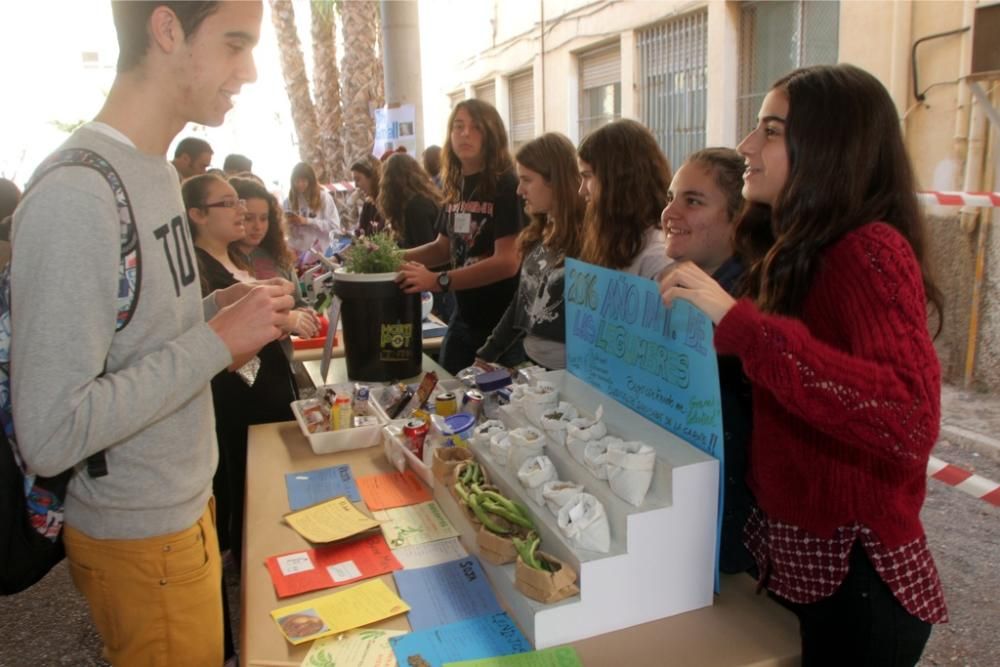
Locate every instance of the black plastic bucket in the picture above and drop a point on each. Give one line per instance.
(381, 327)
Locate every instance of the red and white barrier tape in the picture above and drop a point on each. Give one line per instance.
(980, 199)
(963, 480)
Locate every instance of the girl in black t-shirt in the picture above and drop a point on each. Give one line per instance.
(477, 232)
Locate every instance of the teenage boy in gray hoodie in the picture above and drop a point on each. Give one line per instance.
(140, 540)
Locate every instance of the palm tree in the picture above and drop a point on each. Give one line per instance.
(326, 88)
(296, 83)
(360, 20)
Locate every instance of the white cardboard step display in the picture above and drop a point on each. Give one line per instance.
(662, 554)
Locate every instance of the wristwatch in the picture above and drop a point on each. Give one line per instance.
(444, 281)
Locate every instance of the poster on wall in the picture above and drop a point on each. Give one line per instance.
(658, 361)
(395, 127)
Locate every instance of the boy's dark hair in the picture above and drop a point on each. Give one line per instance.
(131, 19)
(236, 163)
(193, 147)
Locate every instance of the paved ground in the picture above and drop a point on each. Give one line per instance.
(49, 624)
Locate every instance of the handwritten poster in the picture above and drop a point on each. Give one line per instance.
(659, 361)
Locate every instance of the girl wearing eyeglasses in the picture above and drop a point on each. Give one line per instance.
(253, 394)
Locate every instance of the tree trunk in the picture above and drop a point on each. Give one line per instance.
(326, 88)
(358, 70)
(296, 83)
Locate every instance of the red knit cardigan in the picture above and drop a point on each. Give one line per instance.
(846, 399)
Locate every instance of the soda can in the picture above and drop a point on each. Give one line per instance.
(414, 433)
(445, 404)
(472, 402)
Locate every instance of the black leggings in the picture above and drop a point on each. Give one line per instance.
(861, 624)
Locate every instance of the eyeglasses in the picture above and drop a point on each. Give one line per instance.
(227, 203)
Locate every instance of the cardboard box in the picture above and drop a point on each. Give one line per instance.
(445, 460)
(545, 586)
(494, 548)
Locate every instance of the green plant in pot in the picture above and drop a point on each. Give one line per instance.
(381, 324)
(377, 253)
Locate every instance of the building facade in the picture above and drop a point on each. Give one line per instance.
(695, 73)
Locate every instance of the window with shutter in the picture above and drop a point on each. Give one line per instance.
(777, 37)
(673, 83)
(487, 92)
(522, 109)
(600, 87)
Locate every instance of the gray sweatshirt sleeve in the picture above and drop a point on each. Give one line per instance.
(64, 288)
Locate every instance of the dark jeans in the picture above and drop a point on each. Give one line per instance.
(861, 624)
(458, 349)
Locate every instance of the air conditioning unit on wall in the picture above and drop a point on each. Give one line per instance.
(986, 41)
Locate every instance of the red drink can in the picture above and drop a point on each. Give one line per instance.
(414, 432)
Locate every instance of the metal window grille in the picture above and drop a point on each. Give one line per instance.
(456, 97)
(522, 109)
(673, 83)
(600, 88)
(487, 92)
(777, 37)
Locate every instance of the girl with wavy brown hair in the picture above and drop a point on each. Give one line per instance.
(549, 182)
(409, 201)
(477, 233)
(625, 179)
(833, 336)
(367, 174)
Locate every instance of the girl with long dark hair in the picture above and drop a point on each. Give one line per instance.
(310, 211)
(833, 335)
(549, 182)
(625, 178)
(477, 232)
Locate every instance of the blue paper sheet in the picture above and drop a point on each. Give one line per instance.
(314, 486)
(446, 593)
(482, 637)
(659, 361)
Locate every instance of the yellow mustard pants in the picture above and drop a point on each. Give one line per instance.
(155, 601)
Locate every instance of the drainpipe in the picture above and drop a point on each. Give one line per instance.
(541, 40)
(974, 134)
(899, 74)
(982, 101)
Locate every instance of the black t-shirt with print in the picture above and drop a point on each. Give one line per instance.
(488, 219)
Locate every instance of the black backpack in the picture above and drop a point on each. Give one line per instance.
(31, 507)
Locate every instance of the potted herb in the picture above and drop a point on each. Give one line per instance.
(382, 324)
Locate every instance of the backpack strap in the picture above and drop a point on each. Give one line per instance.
(129, 273)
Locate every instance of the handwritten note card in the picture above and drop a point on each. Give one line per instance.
(333, 520)
(446, 593)
(314, 486)
(416, 524)
(365, 603)
(331, 565)
(480, 637)
(393, 489)
(559, 656)
(357, 648)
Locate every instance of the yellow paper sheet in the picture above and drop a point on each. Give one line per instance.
(330, 521)
(365, 603)
(414, 524)
(357, 648)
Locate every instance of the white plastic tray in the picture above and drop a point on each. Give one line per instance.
(328, 442)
